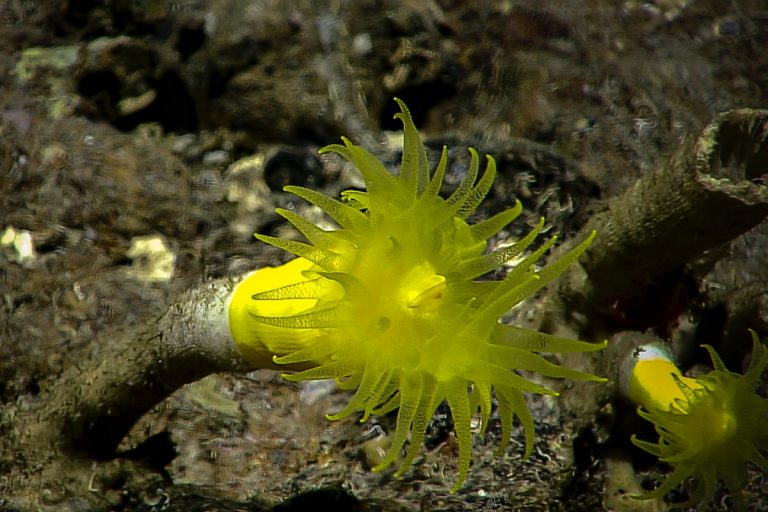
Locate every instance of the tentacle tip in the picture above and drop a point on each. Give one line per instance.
(378, 468)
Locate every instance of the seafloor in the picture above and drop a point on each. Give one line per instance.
(143, 142)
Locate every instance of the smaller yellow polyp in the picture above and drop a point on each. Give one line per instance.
(259, 342)
(709, 428)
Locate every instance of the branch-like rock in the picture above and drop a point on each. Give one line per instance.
(92, 407)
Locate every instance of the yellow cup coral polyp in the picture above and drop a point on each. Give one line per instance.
(391, 305)
(708, 427)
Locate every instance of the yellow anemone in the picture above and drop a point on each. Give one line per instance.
(390, 303)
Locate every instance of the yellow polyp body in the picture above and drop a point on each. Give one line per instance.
(400, 315)
(259, 342)
(709, 428)
(654, 384)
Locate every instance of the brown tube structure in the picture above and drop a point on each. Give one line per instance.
(712, 189)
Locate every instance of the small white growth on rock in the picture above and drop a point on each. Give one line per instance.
(152, 259)
(21, 241)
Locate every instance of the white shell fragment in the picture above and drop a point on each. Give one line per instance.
(21, 241)
(153, 259)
